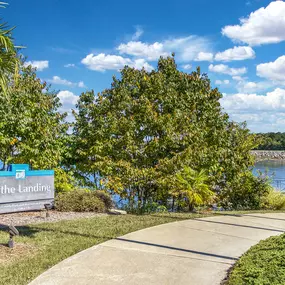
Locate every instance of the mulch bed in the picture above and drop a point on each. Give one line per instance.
(26, 218)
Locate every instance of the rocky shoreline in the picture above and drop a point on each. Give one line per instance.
(268, 154)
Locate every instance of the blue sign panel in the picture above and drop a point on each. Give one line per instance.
(22, 189)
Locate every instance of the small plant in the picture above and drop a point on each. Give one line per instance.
(192, 188)
(274, 200)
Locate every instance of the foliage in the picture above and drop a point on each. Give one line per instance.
(192, 186)
(83, 201)
(148, 126)
(272, 141)
(274, 200)
(105, 197)
(263, 264)
(9, 60)
(245, 192)
(32, 130)
(148, 208)
(64, 180)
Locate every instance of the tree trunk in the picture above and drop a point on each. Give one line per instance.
(173, 203)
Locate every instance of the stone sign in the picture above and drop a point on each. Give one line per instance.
(22, 189)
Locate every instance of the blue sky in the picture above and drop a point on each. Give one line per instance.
(79, 45)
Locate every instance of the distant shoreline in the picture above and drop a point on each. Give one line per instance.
(262, 155)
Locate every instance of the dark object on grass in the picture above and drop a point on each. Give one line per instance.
(12, 232)
(48, 207)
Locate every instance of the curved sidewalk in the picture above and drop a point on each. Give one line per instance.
(198, 251)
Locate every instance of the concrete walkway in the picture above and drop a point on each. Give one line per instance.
(192, 252)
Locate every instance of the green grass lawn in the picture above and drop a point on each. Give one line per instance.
(40, 246)
(263, 264)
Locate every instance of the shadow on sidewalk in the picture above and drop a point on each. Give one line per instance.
(263, 217)
(243, 226)
(178, 249)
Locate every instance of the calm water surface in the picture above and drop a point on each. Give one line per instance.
(275, 169)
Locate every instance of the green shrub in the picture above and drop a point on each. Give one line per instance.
(274, 200)
(83, 201)
(262, 264)
(105, 197)
(246, 191)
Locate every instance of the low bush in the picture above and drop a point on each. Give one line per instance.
(105, 197)
(245, 192)
(83, 201)
(263, 264)
(274, 200)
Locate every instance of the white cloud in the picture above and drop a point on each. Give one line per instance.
(237, 78)
(68, 101)
(138, 33)
(251, 87)
(274, 100)
(262, 112)
(185, 48)
(187, 66)
(141, 63)
(40, 65)
(263, 26)
(220, 82)
(81, 84)
(67, 97)
(59, 81)
(102, 62)
(144, 50)
(69, 65)
(273, 70)
(225, 69)
(235, 53)
(204, 56)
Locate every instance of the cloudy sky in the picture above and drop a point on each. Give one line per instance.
(79, 45)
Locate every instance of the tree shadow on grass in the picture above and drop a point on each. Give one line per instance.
(28, 231)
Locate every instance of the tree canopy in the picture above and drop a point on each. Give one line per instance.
(136, 136)
(32, 130)
(153, 138)
(272, 141)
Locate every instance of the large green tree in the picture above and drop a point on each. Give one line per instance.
(32, 130)
(148, 126)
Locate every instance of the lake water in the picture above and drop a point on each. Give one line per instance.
(275, 169)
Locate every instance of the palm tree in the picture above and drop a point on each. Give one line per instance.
(192, 185)
(8, 54)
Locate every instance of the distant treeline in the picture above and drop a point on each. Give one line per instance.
(272, 141)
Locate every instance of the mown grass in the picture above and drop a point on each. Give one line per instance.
(49, 243)
(40, 246)
(263, 264)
